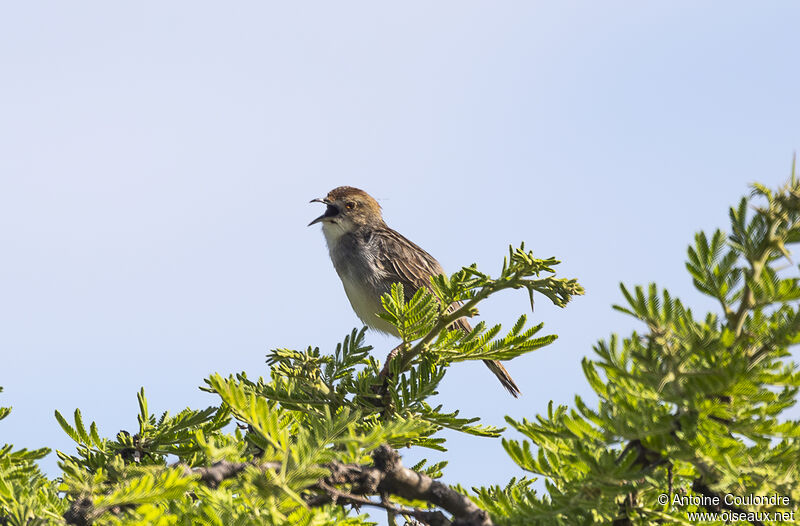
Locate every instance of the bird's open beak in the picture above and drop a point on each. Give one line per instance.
(327, 213)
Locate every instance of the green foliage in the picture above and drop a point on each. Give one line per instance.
(315, 411)
(692, 406)
(26, 496)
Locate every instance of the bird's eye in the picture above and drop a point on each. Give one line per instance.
(350, 205)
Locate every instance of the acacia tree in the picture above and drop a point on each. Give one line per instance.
(315, 443)
(690, 408)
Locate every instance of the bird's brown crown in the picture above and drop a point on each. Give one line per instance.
(362, 199)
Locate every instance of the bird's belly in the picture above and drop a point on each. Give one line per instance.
(366, 303)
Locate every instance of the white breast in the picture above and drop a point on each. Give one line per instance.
(366, 304)
(354, 270)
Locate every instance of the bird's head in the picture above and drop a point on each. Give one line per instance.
(347, 209)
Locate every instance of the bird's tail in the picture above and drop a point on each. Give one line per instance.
(502, 375)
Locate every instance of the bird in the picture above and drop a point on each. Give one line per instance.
(369, 257)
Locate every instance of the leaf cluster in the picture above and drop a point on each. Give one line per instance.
(270, 450)
(26, 495)
(692, 405)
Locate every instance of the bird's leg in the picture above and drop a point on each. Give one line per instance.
(382, 390)
(391, 356)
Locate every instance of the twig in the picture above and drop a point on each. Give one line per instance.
(337, 496)
(213, 475)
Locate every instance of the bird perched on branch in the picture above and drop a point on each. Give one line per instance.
(369, 256)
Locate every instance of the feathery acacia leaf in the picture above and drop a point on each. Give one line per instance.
(690, 405)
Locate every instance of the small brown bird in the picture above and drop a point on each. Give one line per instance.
(369, 256)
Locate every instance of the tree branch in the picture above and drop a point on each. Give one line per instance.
(336, 496)
(213, 475)
(387, 476)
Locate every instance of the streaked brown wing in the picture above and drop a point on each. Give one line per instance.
(405, 262)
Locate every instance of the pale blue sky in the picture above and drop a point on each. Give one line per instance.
(157, 159)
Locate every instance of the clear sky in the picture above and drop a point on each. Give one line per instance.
(157, 159)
